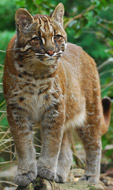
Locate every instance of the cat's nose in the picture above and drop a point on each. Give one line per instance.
(51, 52)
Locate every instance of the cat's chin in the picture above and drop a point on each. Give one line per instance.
(48, 62)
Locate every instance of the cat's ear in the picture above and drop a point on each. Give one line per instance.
(23, 18)
(58, 13)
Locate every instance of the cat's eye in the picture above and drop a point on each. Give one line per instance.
(58, 37)
(35, 39)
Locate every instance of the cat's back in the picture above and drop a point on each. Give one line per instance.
(9, 69)
(77, 61)
(75, 55)
(10, 51)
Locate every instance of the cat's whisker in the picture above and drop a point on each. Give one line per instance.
(47, 55)
(57, 53)
(39, 54)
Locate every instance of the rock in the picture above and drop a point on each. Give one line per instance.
(43, 184)
(81, 185)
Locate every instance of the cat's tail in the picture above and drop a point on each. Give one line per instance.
(106, 103)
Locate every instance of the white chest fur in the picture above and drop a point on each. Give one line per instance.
(37, 95)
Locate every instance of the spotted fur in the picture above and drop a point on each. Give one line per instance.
(54, 85)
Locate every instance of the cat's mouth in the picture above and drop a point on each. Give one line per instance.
(47, 59)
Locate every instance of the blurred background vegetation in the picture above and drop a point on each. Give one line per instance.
(88, 23)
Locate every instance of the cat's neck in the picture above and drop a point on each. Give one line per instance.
(35, 69)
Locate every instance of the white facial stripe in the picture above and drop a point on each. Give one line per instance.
(53, 39)
(50, 28)
(34, 36)
(47, 55)
(42, 27)
(49, 25)
(43, 40)
(54, 54)
(59, 33)
(65, 45)
(39, 54)
(25, 48)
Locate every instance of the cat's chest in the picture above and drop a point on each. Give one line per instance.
(36, 96)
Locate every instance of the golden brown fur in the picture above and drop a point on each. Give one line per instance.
(56, 88)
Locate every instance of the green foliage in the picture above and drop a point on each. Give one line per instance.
(37, 6)
(7, 12)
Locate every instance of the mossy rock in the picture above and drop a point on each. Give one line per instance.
(43, 184)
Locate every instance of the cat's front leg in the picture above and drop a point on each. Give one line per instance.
(23, 139)
(65, 159)
(52, 128)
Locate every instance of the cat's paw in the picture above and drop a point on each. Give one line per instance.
(46, 173)
(45, 169)
(62, 173)
(25, 178)
(91, 179)
(60, 179)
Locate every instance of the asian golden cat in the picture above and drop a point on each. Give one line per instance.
(55, 85)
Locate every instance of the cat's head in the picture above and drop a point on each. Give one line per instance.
(41, 36)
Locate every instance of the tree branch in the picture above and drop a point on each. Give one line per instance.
(79, 15)
(105, 27)
(108, 61)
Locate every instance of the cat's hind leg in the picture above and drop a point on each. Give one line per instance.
(92, 144)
